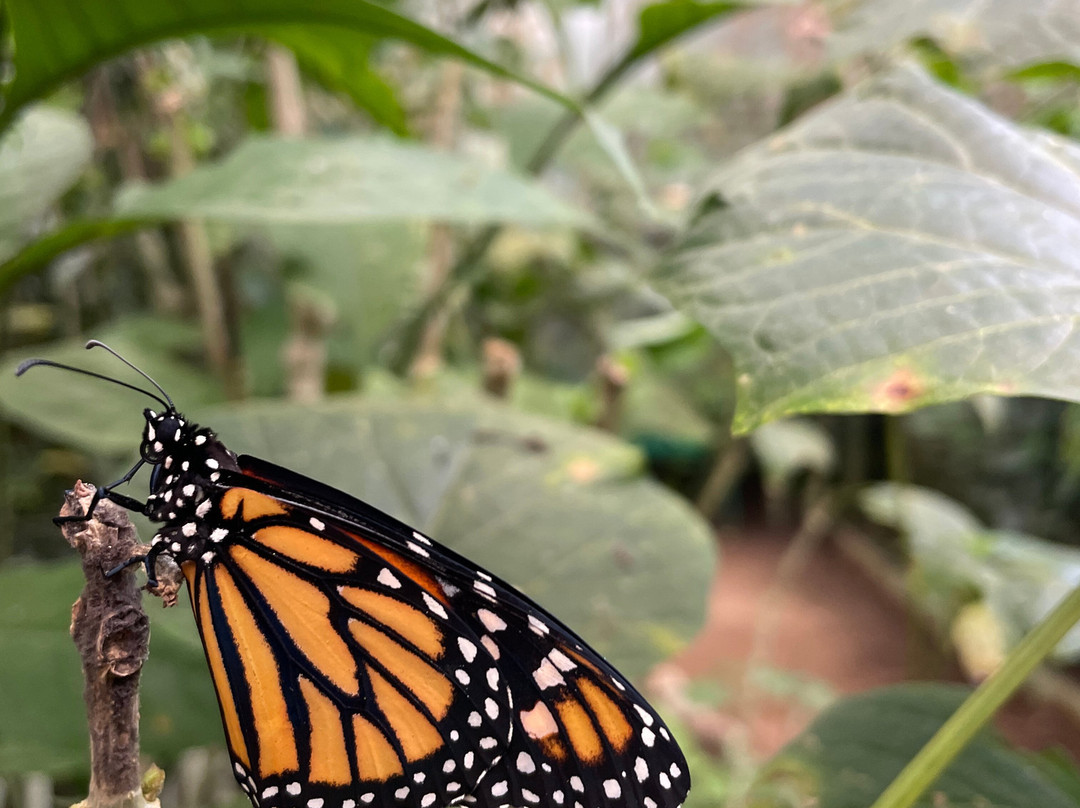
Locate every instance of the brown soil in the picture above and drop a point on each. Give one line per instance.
(832, 626)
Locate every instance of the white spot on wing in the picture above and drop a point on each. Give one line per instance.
(317, 523)
(189, 529)
(219, 534)
(561, 660)
(612, 789)
(386, 578)
(468, 649)
(491, 621)
(641, 769)
(538, 626)
(648, 737)
(434, 605)
(416, 548)
(421, 538)
(547, 676)
(525, 763)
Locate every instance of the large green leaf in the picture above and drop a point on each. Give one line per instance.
(56, 40)
(899, 247)
(39, 159)
(854, 749)
(563, 512)
(349, 179)
(1005, 33)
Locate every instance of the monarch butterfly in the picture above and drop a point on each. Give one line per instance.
(357, 662)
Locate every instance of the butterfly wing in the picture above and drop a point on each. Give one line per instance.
(357, 661)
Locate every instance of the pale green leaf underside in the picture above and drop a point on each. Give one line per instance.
(1005, 33)
(902, 246)
(269, 180)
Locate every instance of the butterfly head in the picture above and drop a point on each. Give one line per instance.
(163, 435)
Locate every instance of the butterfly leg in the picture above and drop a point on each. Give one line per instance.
(148, 560)
(106, 492)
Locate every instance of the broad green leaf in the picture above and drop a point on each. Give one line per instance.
(349, 179)
(95, 416)
(852, 752)
(1003, 33)
(340, 60)
(901, 246)
(57, 40)
(40, 158)
(563, 512)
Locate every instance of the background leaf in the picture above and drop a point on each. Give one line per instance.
(40, 158)
(854, 749)
(900, 247)
(101, 418)
(59, 39)
(270, 180)
(1004, 33)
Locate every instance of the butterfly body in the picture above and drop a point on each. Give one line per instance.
(358, 662)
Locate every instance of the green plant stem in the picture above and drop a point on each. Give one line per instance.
(924, 769)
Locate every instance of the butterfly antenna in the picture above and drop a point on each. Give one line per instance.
(29, 363)
(98, 344)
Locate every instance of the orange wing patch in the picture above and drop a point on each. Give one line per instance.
(579, 727)
(250, 505)
(304, 611)
(306, 547)
(226, 699)
(410, 623)
(376, 758)
(417, 736)
(277, 747)
(329, 758)
(423, 681)
(611, 719)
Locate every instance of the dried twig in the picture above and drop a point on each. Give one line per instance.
(112, 633)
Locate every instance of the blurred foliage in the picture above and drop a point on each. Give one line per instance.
(774, 211)
(852, 751)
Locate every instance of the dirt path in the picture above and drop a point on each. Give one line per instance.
(833, 626)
